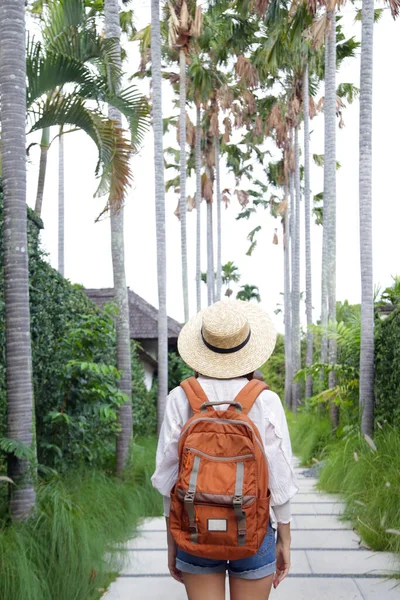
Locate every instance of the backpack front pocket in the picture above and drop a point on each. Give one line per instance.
(218, 496)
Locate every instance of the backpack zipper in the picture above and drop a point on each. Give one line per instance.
(218, 458)
(230, 421)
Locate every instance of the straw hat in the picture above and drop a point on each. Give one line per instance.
(229, 339)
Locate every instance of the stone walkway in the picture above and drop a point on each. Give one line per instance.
(327, 560)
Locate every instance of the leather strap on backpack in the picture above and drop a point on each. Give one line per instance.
(195, 394)
(249, 394)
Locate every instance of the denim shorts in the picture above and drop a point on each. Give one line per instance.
(262, 564)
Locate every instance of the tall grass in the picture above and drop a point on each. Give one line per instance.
(366, 474)
(311, 436)
(369, 481)
(72, 544)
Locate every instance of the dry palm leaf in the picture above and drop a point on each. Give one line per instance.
(312, 107)
(225, 97)
(214, 125)
(282, 207)
(246, 72)
(190, 203)
(319, 29)
(5, 478)
(197, 24)
(225, 198)
(190, 132)
(321, 103)
(243, 197)
(250, 102)
(206, 188)
(258, 126)
(184, 17)
(274, 117)
(260, 7)
(226, 138)
(177, 211)
(275, 240)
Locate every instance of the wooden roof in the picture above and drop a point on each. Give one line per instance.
(142, 315)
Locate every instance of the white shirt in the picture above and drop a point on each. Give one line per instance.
(266, 413)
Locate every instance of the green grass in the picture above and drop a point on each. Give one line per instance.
(71, 547)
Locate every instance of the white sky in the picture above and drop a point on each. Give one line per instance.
(88, 256)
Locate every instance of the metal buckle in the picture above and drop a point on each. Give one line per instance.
(242, 532)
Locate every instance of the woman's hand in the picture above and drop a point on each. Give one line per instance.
(282, 562)
(172, 552)
(282, 553)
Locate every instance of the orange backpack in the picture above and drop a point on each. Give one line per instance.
(220, 502)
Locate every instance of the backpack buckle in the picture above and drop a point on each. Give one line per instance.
(189, 497)
(237, 500)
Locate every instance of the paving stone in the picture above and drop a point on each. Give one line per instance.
(305, 588)
(348, 563)
(315, 508)
(325, 539)
(318, 522)
(378, 589)
(155, 524)
(126, 588)
(316, 496)
(148, 539)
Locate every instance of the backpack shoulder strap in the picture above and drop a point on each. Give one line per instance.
(249, 394)
(194, 393)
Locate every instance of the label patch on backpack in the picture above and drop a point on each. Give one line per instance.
(217, 524)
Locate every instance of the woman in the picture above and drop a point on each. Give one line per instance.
(225, 344)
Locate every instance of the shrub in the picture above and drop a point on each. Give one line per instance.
(274, 368)
(387, 365)
(144, 402)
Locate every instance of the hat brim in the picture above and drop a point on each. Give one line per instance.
(228, 366)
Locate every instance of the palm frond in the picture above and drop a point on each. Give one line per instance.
(48, 71)
(113, 147)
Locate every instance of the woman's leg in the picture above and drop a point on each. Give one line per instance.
(205, 587)
(250, 589)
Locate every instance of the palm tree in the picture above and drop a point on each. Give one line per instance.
(20, 402)
(307, 211)
(44, 149)
(230, 274)
(201, 82)
(183, 27)
(74, 53)
(61, 212)
(124, 439)
(160, 210)
(295, 324)
(329, 216)
(365, 186)
(248, 292)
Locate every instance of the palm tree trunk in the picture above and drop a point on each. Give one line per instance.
(198, 206)
(292, 235)
(160, 211)
(307, 209)
(219, 224)
(287, 304)
(44, 149)
(124, 439)
(365, 183)
(20, 401)
(296, 360)
(61, 219)
(183, 207)
(210, 255)
(330, 191)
